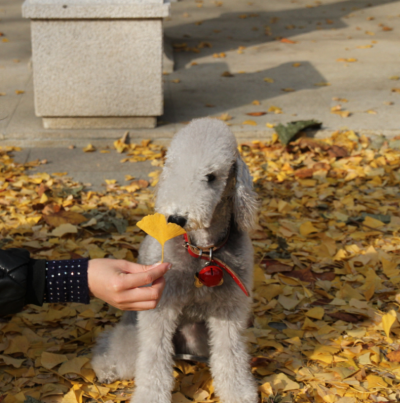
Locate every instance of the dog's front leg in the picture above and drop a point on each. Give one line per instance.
(230, 362)
(154, 378)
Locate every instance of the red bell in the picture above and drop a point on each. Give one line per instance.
(210, 276)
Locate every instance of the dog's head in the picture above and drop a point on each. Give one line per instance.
(203, 166)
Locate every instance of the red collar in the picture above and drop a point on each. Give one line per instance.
(197, 252)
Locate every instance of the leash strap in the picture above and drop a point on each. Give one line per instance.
(192, 252)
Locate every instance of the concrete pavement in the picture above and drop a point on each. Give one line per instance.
(294, 59)
(254, 40)
(91, 169)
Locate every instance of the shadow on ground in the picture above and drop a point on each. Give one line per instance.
(284, 23)
(211, 98)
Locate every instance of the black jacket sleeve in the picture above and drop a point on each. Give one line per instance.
(22, 280)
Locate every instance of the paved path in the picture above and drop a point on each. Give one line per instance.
(247, 35)
(323, 32)
(91, 169)
(282, 53)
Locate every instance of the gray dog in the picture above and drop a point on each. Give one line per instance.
(206, 188)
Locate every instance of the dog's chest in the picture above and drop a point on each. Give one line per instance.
(199, 307)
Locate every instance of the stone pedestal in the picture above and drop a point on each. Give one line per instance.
(97, 63)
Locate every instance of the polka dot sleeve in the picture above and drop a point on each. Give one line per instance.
(67, 281)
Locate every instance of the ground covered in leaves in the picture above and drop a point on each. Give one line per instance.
(326, 326)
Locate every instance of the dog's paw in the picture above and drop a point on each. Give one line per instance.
(107, 376)
(105, 372)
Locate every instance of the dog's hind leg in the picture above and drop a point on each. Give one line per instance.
(229, 361)
(114, 356)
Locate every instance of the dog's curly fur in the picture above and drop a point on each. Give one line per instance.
(188, 320)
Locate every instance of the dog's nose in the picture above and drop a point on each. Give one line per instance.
(177, 219)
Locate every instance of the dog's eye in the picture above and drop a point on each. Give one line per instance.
(210, 177)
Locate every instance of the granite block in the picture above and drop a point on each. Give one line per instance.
(86, 10)
(97, 67)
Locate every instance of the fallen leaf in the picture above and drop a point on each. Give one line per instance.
(337, 152)
(394, 356)
(288, 132)
(256, 113)
(307, 228)
(373, 222)
(275, 109)
(288, 303)
(70, 397)
(266, 389)
(348, 60)
(286, 40)
(375, 381)
(281, 382)
(345, 317)
(273, 266)
(387, 322)
(249, 123)
(227, 74)
(18, 344)
(15, 362)
(225, 117)
(179, 398)
(89, 148)
(64, 229)
(64, 217)
(73, 366)
(50, 360)
(316, 313)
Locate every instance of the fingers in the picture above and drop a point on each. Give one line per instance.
(140, 299)
(152, 293)
(140, 306)
(134, 268)
(143, 275)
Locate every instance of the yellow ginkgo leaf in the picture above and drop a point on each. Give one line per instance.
(156, 226)
(89, 148)
(307, 228)
(250, 123)
(387, 322)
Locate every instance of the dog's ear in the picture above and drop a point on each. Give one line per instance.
(245, 203)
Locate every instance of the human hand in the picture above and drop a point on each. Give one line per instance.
(116, 282)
